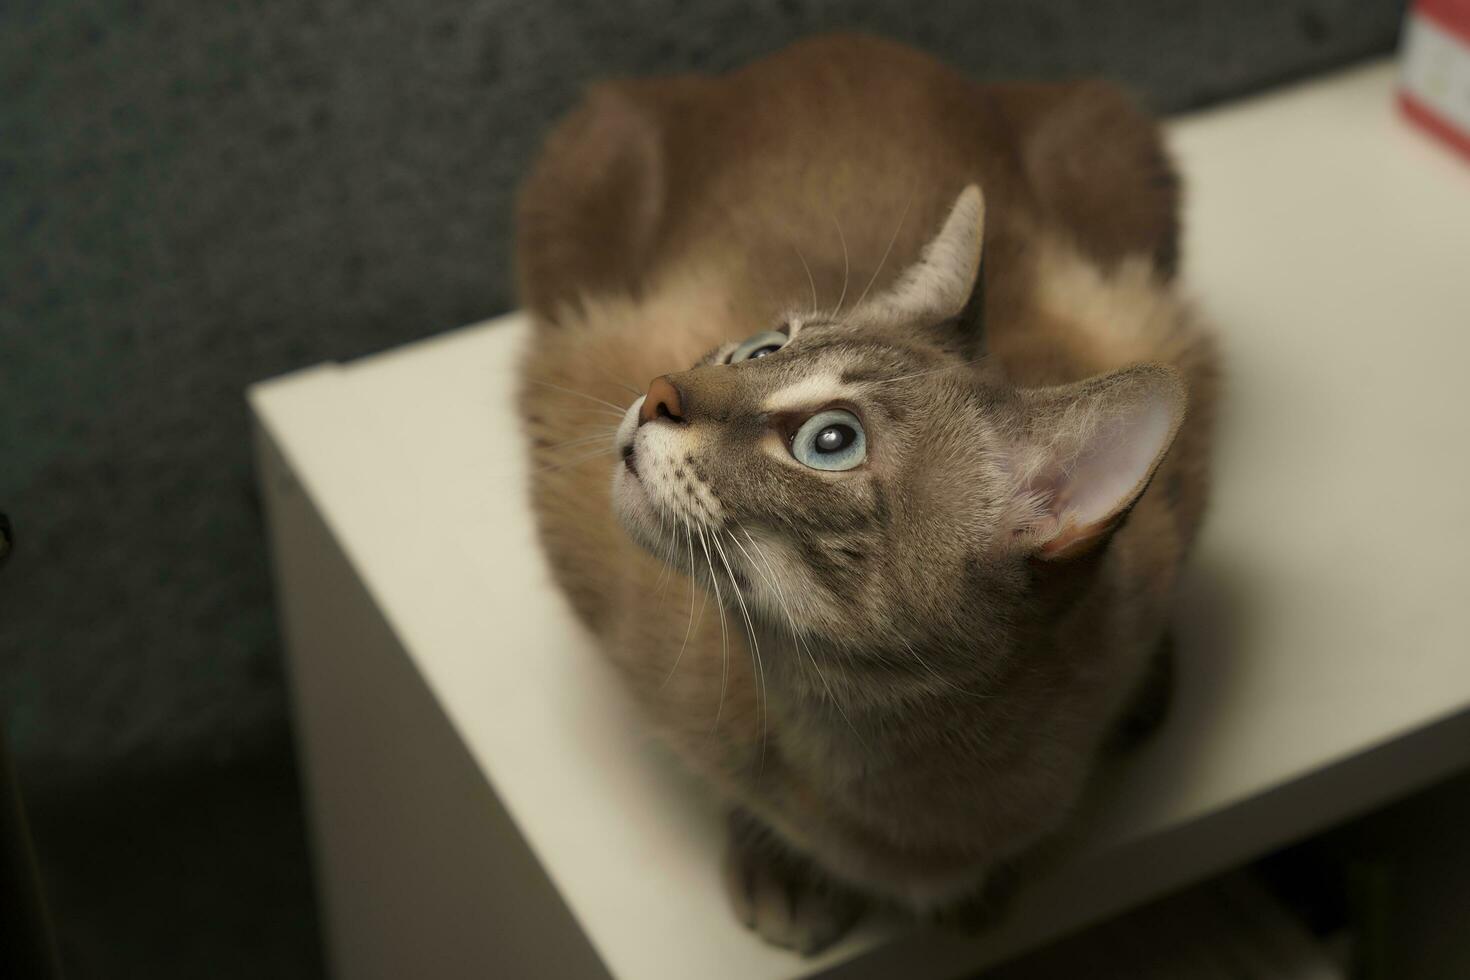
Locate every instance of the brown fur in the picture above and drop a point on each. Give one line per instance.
(670, 217)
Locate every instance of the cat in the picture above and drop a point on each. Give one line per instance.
(869, 432)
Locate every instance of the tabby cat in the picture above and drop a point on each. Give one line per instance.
(882, 537)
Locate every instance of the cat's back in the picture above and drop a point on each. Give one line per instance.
(835, 155)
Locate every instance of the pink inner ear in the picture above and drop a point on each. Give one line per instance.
(1106, 473)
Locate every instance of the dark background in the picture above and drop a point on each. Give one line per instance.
(196, 195)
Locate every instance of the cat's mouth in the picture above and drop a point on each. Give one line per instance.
(626, 437)
(658, 489)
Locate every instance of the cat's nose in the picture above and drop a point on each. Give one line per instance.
(663, 402)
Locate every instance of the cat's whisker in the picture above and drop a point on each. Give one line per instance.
(620, 409)
(846, 266)
(810, 281)
(661, 584)
(969, 362)
(693, 585)
(775, 586)
(612, 380)
(591, 410)
(801, 647)
(575, 461)
(589, 453)
(881, 262)
(770, 583)
(579, 441)
(937, 675)
(724, 635)
(755, 647)
(837, 702)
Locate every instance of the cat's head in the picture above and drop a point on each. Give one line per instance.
(864, 477)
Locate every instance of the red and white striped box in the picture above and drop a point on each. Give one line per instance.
(1434, 84)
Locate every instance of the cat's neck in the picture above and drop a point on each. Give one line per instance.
(809, 673)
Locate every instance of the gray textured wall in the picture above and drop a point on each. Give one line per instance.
(195, 195)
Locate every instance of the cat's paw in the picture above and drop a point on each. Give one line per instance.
(781, 896)
(983, 909)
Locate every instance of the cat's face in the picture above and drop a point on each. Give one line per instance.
(844, 477)
(855, 477)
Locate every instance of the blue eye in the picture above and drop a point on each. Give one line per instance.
(759, 346)
(830, 440)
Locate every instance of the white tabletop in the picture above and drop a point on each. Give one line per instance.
(1326, 614)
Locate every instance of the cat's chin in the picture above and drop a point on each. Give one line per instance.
(638, 515)
(633, 506)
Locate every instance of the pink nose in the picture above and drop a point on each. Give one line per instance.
(663, 402)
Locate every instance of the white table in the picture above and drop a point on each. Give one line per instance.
(484, 799)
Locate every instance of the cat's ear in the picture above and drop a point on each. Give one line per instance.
(590, 211)
(1084, 454)
(945, 285)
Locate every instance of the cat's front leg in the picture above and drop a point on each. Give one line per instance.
(783, 895)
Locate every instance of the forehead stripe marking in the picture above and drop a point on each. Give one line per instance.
(809, 391)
